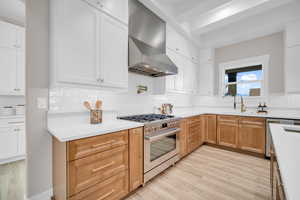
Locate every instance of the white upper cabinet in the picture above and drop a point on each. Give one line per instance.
(114, 48)
(77, 44)
(292, 58)
(292, 70)
(293, 34)
(176, 42)
(115, 8)
(8, 35)
(12, 59)
(88, 47)
(206, 72)
(185, 80)
(8, 70)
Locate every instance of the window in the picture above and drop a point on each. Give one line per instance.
(246, 81)
(246, 77)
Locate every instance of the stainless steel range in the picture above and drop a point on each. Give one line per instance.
(161, 142)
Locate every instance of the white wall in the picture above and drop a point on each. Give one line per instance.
(39, 143)
(272, 45)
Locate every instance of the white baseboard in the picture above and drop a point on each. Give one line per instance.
(42, 196)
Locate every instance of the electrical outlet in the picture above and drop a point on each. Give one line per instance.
(42, 103)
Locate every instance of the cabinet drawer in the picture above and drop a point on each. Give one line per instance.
(228, 119)
(252, 121)
(193, 120)
(86, 172)
(115, 187)
(85, 147)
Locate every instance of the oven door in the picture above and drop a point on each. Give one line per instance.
(160, 147)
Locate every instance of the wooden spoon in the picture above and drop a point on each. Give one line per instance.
(87, 105)
(98, 104)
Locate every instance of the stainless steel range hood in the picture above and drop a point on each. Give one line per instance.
(147, 43)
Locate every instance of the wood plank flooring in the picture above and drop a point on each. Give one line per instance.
(211, 174)
(12, 181)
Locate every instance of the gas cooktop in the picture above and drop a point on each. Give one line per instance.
(147, 118)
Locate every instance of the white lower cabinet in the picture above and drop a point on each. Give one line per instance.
(292, 70)
(12, 143)
(88, 47)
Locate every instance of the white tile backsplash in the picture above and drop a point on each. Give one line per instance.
(125, 103)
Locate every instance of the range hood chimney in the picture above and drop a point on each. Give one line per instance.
(147, 43)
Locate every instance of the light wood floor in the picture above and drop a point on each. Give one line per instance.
(12, 181)
(211, 174)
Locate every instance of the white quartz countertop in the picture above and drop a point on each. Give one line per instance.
(71, 128)
(287, 148)
(282, 114)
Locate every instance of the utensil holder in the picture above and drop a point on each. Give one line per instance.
(96, 116)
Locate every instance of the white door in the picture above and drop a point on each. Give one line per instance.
(77, 46)
(8, 71)
(114, 53)
(8, 35)
(9, 142)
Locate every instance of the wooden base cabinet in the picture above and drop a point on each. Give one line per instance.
(252, 134)
(210, 128)
(227, 133)
(194, 135)
(101, 167)
(277, 187)
(191, 135)
(183, 138)
(136, 158)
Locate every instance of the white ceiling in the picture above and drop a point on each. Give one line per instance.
(13, 11)
(202, 18)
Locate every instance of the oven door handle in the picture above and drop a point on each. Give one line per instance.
(163, 134)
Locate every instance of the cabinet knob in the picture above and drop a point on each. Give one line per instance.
(17, 89)
(100, 80)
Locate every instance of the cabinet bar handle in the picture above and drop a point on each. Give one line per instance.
(103, 144)
(103, 167)
(106, 195)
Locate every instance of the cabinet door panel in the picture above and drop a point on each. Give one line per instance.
(78, 44)
(20, 82)
(8, 35)
(183, 138)
(114, 56)
(9, 142)
(8, 70)
(227, 131)
(117, 8)
(252, 135)
(211, 129)
(292, 69)
(136, 158)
